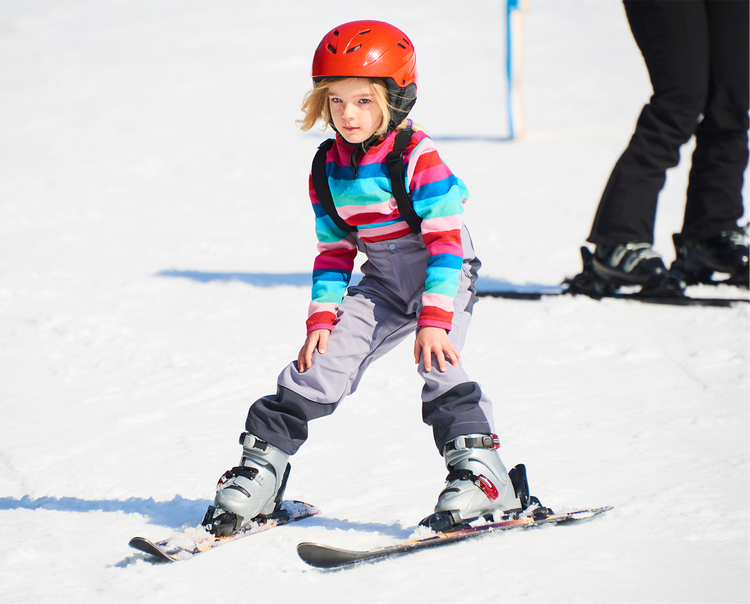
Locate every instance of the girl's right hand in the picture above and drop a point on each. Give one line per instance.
(315, 339)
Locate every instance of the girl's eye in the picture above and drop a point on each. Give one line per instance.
(364, 101)
(335, 100)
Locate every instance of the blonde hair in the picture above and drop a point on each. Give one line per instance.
(316, 108)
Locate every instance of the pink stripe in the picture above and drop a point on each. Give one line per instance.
(347, 244)
(425, 146)
(397, 235)
(314, 307)
(432, 174)
(339, 263)
(384, 232)
(343, 157)
(430, 323)
(377, 156)
(327, 326)
(442, 223)
(441, 247)
(385, 208)
(440, 301)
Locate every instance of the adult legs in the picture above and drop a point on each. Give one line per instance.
(673, 38)
(714, 197)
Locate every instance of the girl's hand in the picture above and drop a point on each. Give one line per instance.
(315, 339)
(435, 340)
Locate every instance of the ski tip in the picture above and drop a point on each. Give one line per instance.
(147, 547)
(323, 556)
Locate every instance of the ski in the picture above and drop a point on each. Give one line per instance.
(326, 556)
(672, 300)
(589, 284)
(196, 540)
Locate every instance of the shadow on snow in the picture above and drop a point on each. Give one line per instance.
(484, 284)
(257, 279)
(172, 514)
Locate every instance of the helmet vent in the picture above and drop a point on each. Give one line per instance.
(363, 32)
(357, 47)
(331, 49)
(404, 43)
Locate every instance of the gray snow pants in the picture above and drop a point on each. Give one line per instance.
(375, 316)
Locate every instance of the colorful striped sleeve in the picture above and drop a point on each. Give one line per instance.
(438, 197)
(332, 269)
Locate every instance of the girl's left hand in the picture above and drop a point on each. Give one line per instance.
(435, 340)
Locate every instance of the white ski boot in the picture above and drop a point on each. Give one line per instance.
(477, 485)
(254, 488)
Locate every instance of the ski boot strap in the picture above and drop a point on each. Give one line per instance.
(473, 441)
(249, 441)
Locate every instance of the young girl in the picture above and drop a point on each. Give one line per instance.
(365, 82)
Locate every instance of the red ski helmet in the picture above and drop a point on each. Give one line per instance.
(371, 49)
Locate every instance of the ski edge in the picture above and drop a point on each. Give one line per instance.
(336, 558)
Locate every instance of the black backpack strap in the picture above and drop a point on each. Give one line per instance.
(395, 161)
(322, 188)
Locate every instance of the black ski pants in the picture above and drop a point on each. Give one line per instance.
(696, 53)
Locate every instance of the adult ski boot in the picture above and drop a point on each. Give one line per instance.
(629, 264)
(478, 485)
(726, 253)
(253, 489)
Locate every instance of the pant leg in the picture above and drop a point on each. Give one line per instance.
(714, 197)
(673, 38)
(452, 404)
(367, 328)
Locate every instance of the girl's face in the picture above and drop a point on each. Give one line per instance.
(355, 113)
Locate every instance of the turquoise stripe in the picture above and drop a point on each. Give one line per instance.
(327, 231)
(435, 274)
(325, 297)
(360, 192)
(447, 289)
(448, 203)
(331, 275)
(364, 227)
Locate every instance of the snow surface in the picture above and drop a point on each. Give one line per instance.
(155, 244)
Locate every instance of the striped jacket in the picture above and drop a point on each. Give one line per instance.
(367, 203)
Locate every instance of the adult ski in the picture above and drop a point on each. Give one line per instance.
(194, 541)
(326, 556)
(672, 300)
(589, 284)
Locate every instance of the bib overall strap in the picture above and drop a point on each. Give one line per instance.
(323, 190)
(395, 161)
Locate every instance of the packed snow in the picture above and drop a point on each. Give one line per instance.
(155, 247)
